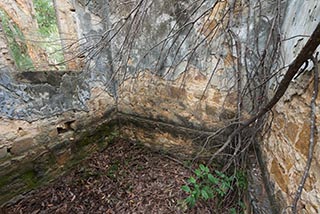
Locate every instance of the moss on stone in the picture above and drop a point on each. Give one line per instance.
(98, 136)
(30, 178)
(3, 181)
(21, 180)
(45, 168)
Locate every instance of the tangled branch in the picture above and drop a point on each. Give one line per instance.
(305, 54)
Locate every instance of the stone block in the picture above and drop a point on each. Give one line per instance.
(53, 133)
(3, 152)
(22, 144)
(63, 157)
(279, 175)
(19, 159)
(4, 165)
(76, 125)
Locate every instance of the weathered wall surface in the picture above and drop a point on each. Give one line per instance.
(187, 104)
(44, 115)
(301, 18)
(176, 105)
(51, 119)
(31, 96)
(158, 71)
(34, 152)
(287, 145)
(168, 73)
(67, 24)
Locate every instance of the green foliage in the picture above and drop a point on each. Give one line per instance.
(205, 186)
(112, 136)
(48, 28)
(46, 17)
(48, 31)
(241, 180)
(16, 42)
(113, 169)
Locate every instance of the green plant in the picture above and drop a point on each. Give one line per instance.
(16, 42)
(113, 169)
(241, 180)
(206, 185)
(46, 17)
(48, 34)
(112, 136)
(48, 29)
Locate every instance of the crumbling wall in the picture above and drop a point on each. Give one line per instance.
(32, 153)
(49, 119)
(286, 147)
(52, 119)
(144, 78)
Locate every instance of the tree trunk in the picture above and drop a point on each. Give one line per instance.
(23, 14)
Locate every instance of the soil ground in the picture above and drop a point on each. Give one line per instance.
(125, 178)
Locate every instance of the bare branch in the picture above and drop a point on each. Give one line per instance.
(312, 135)
(304, 55)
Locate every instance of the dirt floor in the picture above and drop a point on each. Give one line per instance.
(125, 178)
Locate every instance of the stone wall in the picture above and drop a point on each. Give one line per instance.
(49, 118)
(183, 101)
(286, 147)
(33, 153)
(143, 82)
(164, 115)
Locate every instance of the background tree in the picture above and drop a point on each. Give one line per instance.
(22, 12)
(5, 55)
(66, 22)
(16, 43)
